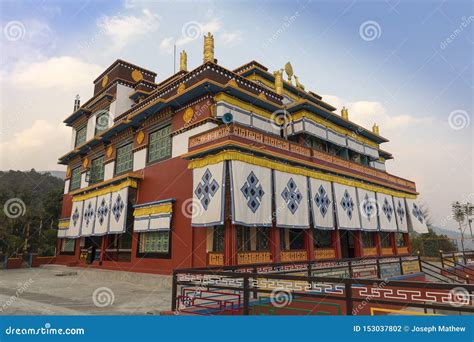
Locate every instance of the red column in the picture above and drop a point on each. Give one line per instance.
(378, 243)
(229, 244)
(393, 243)
(336, 243)
(357, 243)
(406, 240)
(275, 243)
(103, 245)
(308, 238)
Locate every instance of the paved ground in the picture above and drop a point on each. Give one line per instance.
(61, 290)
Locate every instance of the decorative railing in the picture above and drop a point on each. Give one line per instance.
(215, 259)
(238, 131)
(293, 255)
(324, 253)
(372, 251)
(245, 258)
(387, 251)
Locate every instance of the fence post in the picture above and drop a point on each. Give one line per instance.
(377, 261)
(401, 265)
(174, 291)
(255, 291)
(349, 265)
(246, 295)
(349, 303)
(441, 257)
(30, 259)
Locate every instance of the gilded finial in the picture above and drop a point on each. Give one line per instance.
(375, 129)
(345, 113)
(289, 71)
(298, 84)
(209, 48)
(183, 61)
(278, 81)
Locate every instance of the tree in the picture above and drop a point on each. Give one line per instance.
(429, 244)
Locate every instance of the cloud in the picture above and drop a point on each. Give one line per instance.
(167, 43)
(230, 38)
(122, 29)
(34, 145)
(62, 72)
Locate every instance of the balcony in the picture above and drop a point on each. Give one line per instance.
(241, 137)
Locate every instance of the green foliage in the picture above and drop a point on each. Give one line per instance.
(41, 194)
(430, 244)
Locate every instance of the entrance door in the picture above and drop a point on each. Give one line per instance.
(347, 244)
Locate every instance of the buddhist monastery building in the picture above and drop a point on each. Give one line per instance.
(213, 166)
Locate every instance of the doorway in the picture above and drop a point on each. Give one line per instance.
(347, 244)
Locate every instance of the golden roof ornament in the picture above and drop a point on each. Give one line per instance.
(278, 81)
(298, 84)
(375, 129)
(289, 71)
(345, 113)
(183, 61)
(209, 48)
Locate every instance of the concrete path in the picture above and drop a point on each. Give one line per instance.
(61, 290)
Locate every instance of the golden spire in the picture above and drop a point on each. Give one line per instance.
(345, 113)
(183, 61)
(289, 71)
(209, 48)
(375, 129)
(278, 81)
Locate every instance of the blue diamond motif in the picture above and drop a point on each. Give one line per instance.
(322, 200)
(88, 214)
(400, 211)
(387, 209)
(292, 196)
(118, 207)
(75, 216)
(347, 204)
(102, 211)
(253, 192)
(206, 189)
(417, 213)
(368, 207)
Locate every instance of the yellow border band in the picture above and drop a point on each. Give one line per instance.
(165, 208)
(247, 158)
(129, 183)
(63, 224)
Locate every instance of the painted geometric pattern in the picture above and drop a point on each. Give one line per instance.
(75, 216)
(347, 204)
(206, 189)
(253, 193)
(322, 201)
(387, 209)
(102, 211)
(368, 207)
(417, 213)
(292, 196)
(118, 207)
(400, 211)
(88, 214)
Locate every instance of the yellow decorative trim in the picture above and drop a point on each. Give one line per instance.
(137, 75)
(129, 183)
(247, 158)
(140, 137)
(188, 115)
(232, 83)
(181, 88)
(244, 105)
(105, 80)
(68, 171)
(110, 150)
(85, 162)
(63, 224)
(156, 209)
(305, 114)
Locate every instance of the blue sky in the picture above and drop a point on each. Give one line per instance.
(406, 77)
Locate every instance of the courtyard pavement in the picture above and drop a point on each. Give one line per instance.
(62, 290)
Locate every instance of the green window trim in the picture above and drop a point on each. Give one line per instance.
(81, 136)
(97, 170)
(101, 122)
(154, 242)
(159, 144)
(124, 160)
(75, 182)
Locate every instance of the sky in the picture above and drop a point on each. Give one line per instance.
(405, 65)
